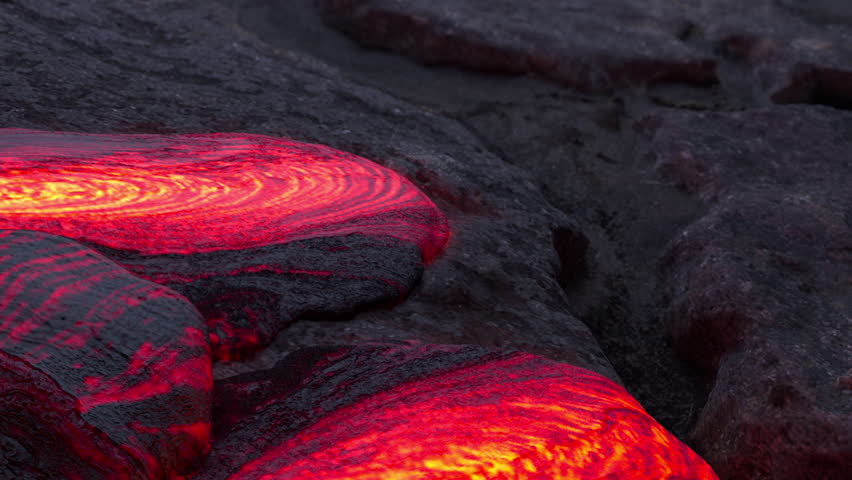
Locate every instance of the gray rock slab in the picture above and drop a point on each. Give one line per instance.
(589, 45)
(712, 154)
(798, 52)
(759, 290)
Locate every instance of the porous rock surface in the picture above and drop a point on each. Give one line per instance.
(796, 51)
(759, 289)
(588, 45)
(792, 51)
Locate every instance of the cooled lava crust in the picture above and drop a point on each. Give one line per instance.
(256, 231)
(103, 375)
(400, 412)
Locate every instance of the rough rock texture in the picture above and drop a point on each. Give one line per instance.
(102, 374)
(179, 66)
(588, 45)
(797, 51)
(155, 67)
(760, 288)
(797, 149)
(404, 411)
(581, 150)
(256, 231)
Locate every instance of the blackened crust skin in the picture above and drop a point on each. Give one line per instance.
(248, 296)
(103, 374)
(44, 437)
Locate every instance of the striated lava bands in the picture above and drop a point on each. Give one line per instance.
(103, 375)
(202, 193)
(438, 412)
(256, 231)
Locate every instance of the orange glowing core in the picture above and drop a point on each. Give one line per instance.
(520, 418)
(200, 193)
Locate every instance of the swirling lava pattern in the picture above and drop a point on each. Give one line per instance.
(158, 194)
(504, 417)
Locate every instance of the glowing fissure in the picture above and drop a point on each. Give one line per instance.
(202, 193)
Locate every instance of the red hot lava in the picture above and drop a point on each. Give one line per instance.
(237, 223)
(159, 194)
(103, 375)
(458, 414)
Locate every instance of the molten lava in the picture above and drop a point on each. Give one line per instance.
(508, 416)
(103, 375)
(184, 194)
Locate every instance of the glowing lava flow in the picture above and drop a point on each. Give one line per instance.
(496, 417)
(200, 193)
(103, 375)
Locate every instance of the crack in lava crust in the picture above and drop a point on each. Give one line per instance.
(158, 194)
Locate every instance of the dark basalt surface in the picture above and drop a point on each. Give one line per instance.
(158, 67)
(591, 46)
(102, 374)
(758, 289)
(563, 226)
(248, 296)
(405, 410)
(795, 51)
(785, 149)
(782, 50)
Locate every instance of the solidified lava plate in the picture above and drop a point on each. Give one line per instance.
(436, 412)
(254, 230)
(103, 375)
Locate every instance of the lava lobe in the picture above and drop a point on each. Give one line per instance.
(405, 411)
(103, 375)
(256, 231)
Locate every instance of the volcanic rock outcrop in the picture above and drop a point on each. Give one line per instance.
(795, 51)
(591, 46)
(759, 288)
(733, 235)
(103, 375)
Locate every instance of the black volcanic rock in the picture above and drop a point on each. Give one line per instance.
(591, 46)
(822, 11)
(256, 231)
(792, 148)
(248, 296)
(433, 412)
(181, 67)
(798, 52)
(759, 288)
(103, 375)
